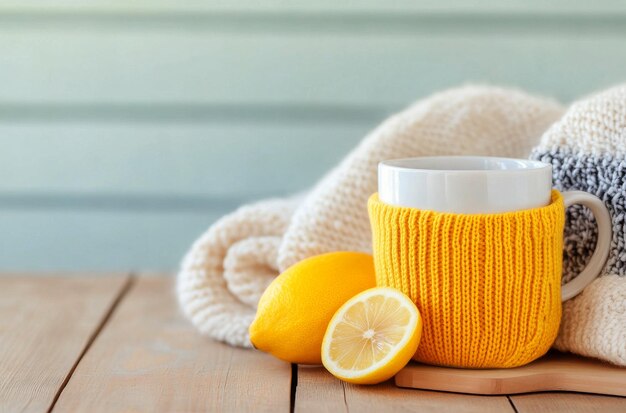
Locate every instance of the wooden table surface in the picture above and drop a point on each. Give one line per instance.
(119, 343)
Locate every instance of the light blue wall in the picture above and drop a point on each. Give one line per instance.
(126, 128)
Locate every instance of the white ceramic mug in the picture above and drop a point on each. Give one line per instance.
(484, 185)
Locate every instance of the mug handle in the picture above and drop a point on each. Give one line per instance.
(601, 253)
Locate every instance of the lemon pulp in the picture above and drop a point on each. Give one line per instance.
(372, 336)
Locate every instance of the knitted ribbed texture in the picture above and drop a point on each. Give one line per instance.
(487, 285)
(587, 150)
(225, 271)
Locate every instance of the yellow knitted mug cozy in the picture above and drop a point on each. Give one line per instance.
(487, 285)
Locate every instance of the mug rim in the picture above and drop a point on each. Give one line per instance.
(525, 165)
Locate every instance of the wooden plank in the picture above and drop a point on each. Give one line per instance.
(318, 391)
(148, 358)
(568, 402)
(45, 325)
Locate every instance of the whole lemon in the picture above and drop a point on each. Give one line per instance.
(294, 311)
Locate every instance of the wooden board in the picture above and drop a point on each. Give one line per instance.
(319, 391)
(568, 402)
(148, 358)
(553, 372)
(45, 326)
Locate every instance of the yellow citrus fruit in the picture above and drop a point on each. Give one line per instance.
(372, 336)
(295, 309)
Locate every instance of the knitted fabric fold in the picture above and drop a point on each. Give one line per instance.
(227, 269)
(486, 285)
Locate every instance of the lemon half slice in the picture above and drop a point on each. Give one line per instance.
(372, 336)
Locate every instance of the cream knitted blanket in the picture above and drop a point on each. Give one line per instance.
(226, 270)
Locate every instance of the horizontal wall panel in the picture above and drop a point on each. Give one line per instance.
(98, 240)
(170, 160)
(244, 61)
(126, 128)
(306, 6)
